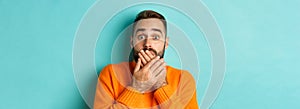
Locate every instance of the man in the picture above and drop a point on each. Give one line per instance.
(146, 82)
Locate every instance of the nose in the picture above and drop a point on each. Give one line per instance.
(147, 43)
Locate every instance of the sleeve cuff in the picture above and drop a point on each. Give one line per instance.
(130, 97)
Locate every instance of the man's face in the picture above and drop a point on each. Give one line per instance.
(149, 34)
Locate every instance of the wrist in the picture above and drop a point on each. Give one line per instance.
(137, 86)
(164, 84)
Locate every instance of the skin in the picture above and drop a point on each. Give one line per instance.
(150, 70)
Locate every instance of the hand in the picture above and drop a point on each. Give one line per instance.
(146, 56)
(144, 78)
(161, 81)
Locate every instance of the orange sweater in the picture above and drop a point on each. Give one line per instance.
(114, 91)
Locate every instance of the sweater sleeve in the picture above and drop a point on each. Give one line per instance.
(184, 96)
(105, 97)
(130, 97)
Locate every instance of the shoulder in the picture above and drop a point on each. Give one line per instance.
(110, 68)
(183, 74)
(178, 71)
(116, 73)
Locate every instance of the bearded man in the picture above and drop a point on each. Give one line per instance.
(146, 81)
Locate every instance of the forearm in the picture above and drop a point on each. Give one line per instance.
(182, 96)
(110, 106)
(104, 100)
(167, 99)
(129, 98)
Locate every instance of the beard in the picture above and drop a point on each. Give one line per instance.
(136, 56)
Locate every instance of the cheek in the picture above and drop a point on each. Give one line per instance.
(158, 46)
(138, 45)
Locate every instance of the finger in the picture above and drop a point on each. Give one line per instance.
(138, 65)
(161, 75)
(142, 59)
(151, 62)
(153, 68)
(157, 64)
(142, 65)
(158, 70)
(150, 54)
(147, 58)
(156, 67)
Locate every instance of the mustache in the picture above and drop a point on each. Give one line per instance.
(136, 56)
(149, 49)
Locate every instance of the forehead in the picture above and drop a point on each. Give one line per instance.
(149, 24)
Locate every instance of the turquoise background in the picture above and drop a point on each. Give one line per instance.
(36, 39)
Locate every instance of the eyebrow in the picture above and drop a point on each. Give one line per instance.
(153, 29)
(140, 29)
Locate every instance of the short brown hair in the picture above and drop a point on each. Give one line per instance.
(146, 14)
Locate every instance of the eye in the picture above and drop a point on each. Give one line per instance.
(156, 37)
(141, 37)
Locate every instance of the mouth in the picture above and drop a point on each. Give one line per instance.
(151, 50)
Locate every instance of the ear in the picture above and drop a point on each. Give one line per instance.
(131, 42)
(167, 42)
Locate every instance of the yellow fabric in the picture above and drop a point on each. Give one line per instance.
(114, 91)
